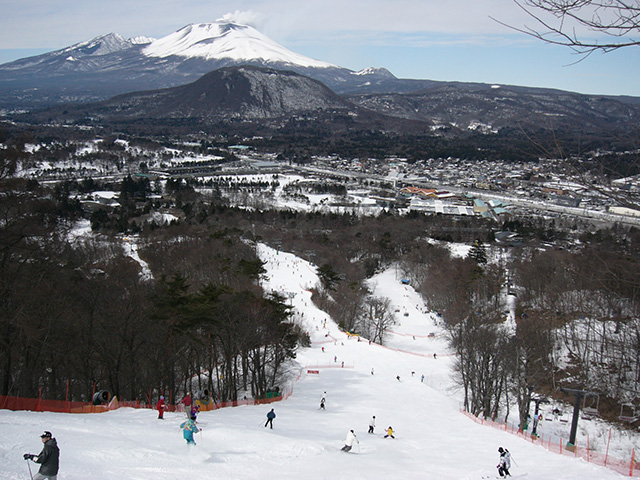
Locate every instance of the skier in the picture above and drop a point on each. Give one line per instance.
(195, 410)
(189, 427)
(48, 458)
(187, 404)
(323, 400)
(372, 424)
(505, 462)
(270, 416)
(160, 407)
(389, 433)
(348, 443)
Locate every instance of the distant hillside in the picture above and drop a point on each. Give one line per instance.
(260, 100)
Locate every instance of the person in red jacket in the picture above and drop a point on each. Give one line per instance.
(160, 407)
(187, 404)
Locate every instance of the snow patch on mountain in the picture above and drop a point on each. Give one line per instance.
(141, 40)
(219, 40)
(102, 45)
(378, 71)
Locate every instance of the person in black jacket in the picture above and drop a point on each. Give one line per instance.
(48, 458)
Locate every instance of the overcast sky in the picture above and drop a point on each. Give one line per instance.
(453, 40)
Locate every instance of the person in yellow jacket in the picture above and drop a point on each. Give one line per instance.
(389, 433)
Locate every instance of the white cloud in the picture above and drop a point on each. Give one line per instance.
(244, 17)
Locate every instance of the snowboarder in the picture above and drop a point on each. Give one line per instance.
(372, 424)
(389, 433)
(505, 462)
(348, 443)
(48, 458)
(189, 427)
(270, 416)
(160, 406)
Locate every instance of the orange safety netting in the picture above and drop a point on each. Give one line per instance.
(64, 406)
(625, 467)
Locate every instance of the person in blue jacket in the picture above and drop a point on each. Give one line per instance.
(188, 429)
(270, 416)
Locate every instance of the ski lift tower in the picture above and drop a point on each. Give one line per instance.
(579, 395)
(537, 401)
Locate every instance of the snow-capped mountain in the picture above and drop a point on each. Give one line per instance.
(378, 71)
(102, 45)
(110, 64)
(216, 41)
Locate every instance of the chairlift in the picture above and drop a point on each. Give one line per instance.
(628, 413)
(564, 417)
(555, 415)
(590, 404)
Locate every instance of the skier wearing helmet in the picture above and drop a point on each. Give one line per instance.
(505, 462)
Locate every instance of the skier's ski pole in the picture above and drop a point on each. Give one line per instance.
(29, 465)
(514, 461)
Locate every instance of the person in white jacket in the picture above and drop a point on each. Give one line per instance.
(372, 424)
(348, 443)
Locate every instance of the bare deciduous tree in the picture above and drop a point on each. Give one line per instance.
(377, 317)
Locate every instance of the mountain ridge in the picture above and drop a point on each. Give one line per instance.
(110, 65)
(272, 99)
(333, 98)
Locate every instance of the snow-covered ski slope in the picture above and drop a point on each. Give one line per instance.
(433, 440)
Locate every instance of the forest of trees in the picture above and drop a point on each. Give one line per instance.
(577, 323)
(79, 311)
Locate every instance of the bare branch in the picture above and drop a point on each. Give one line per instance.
(558, 22)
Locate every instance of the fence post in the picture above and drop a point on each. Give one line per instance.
(606, 455)
(633, 460)
(66, 398)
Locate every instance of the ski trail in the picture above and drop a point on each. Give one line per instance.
(130, 246)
